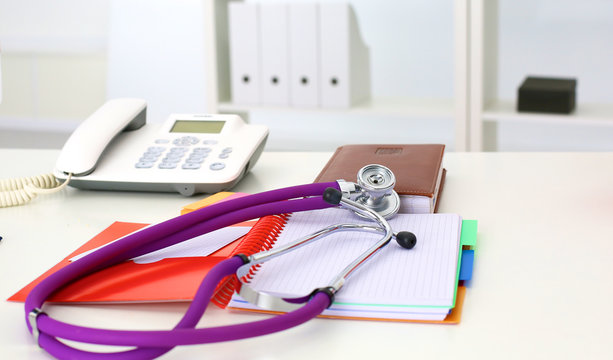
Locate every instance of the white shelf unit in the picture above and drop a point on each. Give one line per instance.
(399, 112)
(557, 49)
(392, 107)
(597, 114)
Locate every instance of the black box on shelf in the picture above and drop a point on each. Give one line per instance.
(547, 95)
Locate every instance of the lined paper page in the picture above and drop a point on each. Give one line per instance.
(423, 276)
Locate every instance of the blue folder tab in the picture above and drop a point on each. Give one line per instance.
(466, 268)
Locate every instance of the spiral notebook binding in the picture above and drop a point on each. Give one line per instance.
(261, 237)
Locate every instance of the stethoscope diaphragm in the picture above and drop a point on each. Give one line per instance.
(377, 183)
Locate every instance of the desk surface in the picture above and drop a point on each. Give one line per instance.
(542, 284)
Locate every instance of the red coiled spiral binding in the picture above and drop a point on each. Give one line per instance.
(261, 237)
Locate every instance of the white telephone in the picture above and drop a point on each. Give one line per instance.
(114, 149)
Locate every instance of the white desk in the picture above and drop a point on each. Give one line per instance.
(542, 284)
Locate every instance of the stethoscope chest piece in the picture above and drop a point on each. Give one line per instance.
(377, 185)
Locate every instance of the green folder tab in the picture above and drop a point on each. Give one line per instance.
(468, 237)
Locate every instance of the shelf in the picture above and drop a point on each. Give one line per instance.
(382, 107)
(510, 40)
(584, 114)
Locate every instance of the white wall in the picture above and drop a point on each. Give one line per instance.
(53, 26)
(63, 59)
(53, 68)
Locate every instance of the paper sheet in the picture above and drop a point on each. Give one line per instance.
(202, 245)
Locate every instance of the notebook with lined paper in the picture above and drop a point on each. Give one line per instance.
(397, 284)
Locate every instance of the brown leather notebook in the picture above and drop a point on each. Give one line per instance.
(417, 167)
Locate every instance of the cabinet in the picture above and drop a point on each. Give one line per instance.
(513, 39)
(419, 55)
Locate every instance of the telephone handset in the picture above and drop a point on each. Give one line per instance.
(85, 146)
(114, 149)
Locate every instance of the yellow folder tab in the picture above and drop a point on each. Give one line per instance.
(215, 198)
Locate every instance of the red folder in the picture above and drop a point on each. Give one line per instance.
(171, 279)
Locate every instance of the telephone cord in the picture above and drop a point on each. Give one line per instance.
(19, 191)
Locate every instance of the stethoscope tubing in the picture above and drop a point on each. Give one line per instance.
(155, 343)
(160, 236)
(293, 205)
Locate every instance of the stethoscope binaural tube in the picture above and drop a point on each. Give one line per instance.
(150, 344)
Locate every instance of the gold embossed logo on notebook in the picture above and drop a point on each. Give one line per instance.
(388, 151)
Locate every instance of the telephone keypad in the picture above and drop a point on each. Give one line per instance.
(167, 165)
(217, 166)
(177, 150)
(195, 159)
(144, 164)
(155, 150)
(174, 156)
(202, 150)
(186, 140)
(190, 166)
(177, 154)
(149, 158)
(167, 161)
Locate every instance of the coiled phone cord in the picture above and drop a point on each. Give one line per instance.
(19, 191)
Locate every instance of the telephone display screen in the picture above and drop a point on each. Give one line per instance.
(200, 127)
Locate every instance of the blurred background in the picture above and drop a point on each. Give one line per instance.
(442, 71)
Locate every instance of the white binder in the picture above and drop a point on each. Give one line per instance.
(304, 54)
(344, 59)
(244, 53)
(274, 54)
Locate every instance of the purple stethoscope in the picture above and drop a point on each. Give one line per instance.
(372, 198)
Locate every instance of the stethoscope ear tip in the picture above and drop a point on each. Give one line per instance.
(406, 239)
(332, 196)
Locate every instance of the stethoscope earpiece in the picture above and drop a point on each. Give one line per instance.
(332, 196)
(406, 239)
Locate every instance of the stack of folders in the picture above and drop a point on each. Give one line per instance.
(297, 54)
(397, 284)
